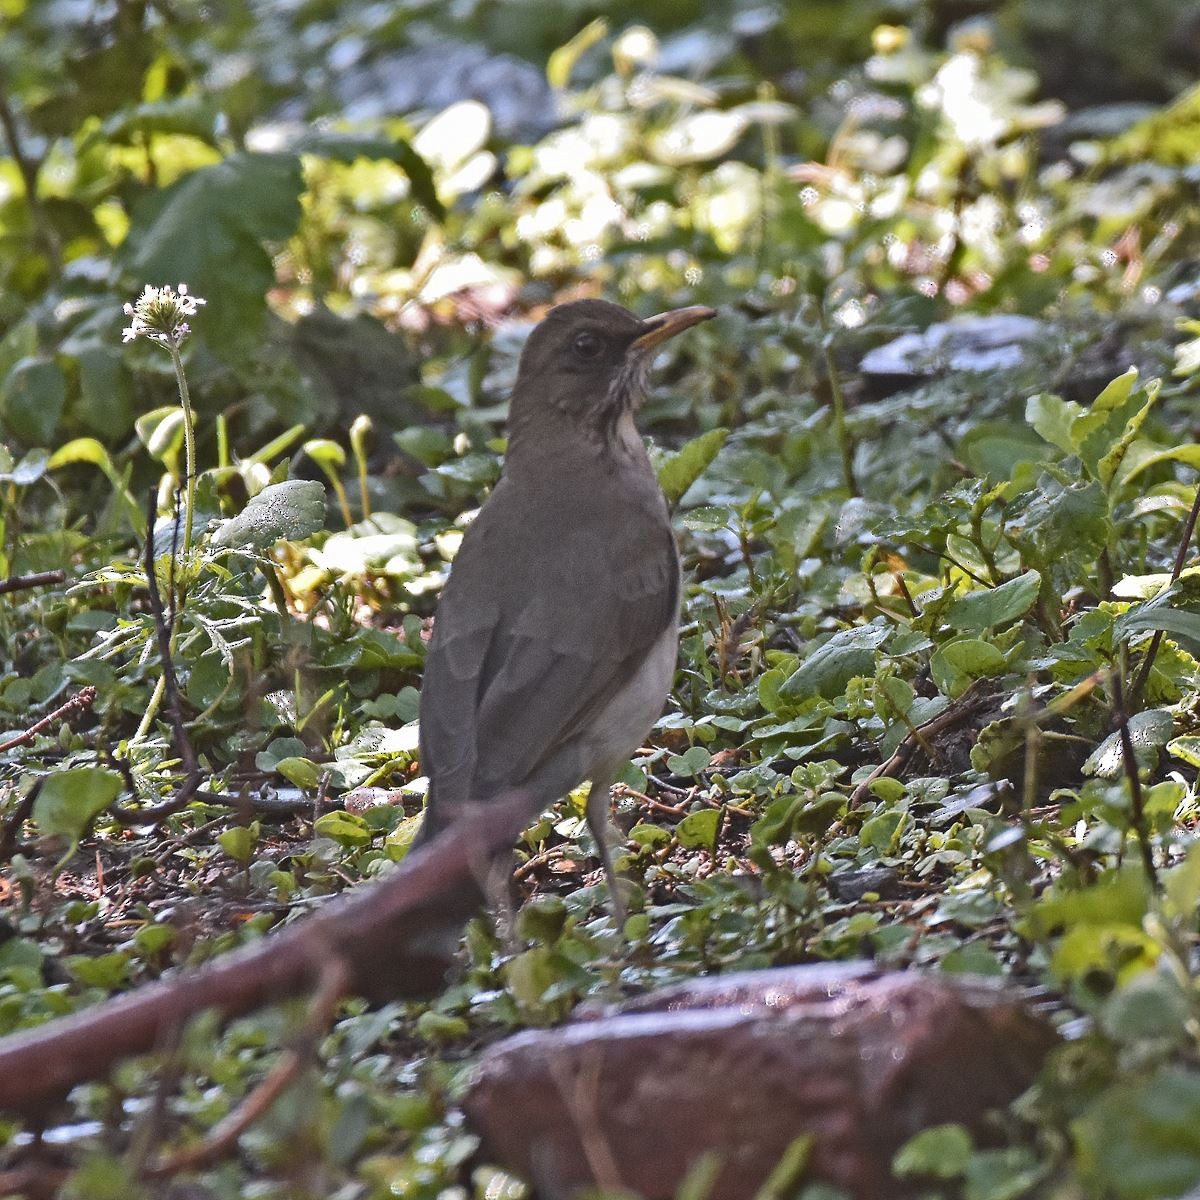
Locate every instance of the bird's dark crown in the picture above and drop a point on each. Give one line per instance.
(586, 340)
(587, 361)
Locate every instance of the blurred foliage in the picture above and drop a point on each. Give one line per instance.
(975, 527)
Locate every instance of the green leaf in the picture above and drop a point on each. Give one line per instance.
(1108, 466)
(105, 393)
(107, 971)
(208, 230)
(684, 467)
(644, 834)
(21, 341)
(344, 828)
(191, 116)
(815, 816)
(161, 431)
(980, 610)
(955, 664)
(882, 831)
(543, 919)
(1169, 135)
(400, 840)
(691, 762)
(827, 670)
(32, 399)
(698, 830)
(1143, 455)
(439, 1028)
(71, 800)
(1158, 614)
(239, 842)
(81, 450)
(303, 772)
(1140, 1139)
(1068, 523)
(1098, 430)
(1006, 1174)
(707, 519)
(1151, 1005)
(348, 148)
(1149, 731)
(994, 448)
(279, 750)
(291, 510)
(1186, 749)
(326, 453)
(1053, 418)
(941, 1152)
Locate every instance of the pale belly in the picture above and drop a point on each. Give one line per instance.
(624, 723)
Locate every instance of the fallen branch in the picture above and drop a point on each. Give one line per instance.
(395, 938)
(23, 583)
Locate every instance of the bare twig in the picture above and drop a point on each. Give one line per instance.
(332, 986)
(1185, 541)
(28, 169)
(23, 583)
(965, 707)
(82, 699)
(11, 827)
(183, 744)
(1137, 815)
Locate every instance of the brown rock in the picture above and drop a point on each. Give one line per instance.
(745, 1064)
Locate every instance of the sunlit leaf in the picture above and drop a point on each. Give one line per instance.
(291, 510)
(685, 466)
(979, 610)
(827, 670)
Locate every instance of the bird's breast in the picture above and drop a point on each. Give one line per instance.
(623, 724)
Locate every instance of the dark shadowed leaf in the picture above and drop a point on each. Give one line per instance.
(70, 800)
(208, 230)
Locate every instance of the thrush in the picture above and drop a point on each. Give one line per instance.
(555, 639)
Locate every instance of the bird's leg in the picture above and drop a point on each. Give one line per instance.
(599, 802)
(503, 899)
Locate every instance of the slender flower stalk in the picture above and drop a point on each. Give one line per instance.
(159, 314)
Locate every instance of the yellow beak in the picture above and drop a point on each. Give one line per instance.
(666, 325)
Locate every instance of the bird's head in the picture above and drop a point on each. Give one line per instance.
(587, 361)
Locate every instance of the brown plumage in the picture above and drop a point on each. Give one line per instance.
(555, 639)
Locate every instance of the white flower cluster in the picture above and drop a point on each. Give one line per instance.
(159, 314)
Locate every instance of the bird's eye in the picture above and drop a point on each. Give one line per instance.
(587, 345)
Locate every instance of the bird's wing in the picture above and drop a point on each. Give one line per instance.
(519, 665)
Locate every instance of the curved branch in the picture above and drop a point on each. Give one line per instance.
(396, 938)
